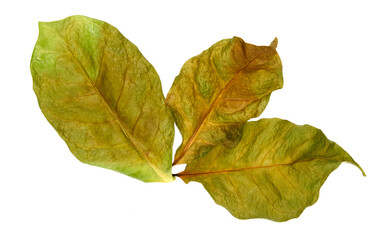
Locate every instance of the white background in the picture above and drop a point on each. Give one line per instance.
(335, 71)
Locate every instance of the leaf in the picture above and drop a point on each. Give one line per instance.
(274, 172)
(103, 98)
(220, 89)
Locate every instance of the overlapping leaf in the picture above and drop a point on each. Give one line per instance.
(103, 98)
(274, 172)
(220, 89)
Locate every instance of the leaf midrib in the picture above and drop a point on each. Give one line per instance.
(244, 169)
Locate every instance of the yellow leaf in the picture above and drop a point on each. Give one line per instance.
(274, 172)
(220, 89)
(103, 98)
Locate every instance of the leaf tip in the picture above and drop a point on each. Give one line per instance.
(274, 43)
(41, 24)
(358, 166)
(362, 171)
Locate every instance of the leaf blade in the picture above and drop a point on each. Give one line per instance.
(274, 172)
(90, 82)
(219, 90)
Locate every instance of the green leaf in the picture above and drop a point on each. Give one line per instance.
(220, 89)
(103, 98)
(274, 172)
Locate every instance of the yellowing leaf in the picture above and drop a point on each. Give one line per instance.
(274, 172)
(103, 98)
(220, 89)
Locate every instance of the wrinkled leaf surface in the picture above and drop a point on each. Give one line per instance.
(220, 89)
(103, 98)
(274, 172)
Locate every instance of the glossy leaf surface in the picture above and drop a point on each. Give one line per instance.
(220, 89)
(274, 172)
(103, 98)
